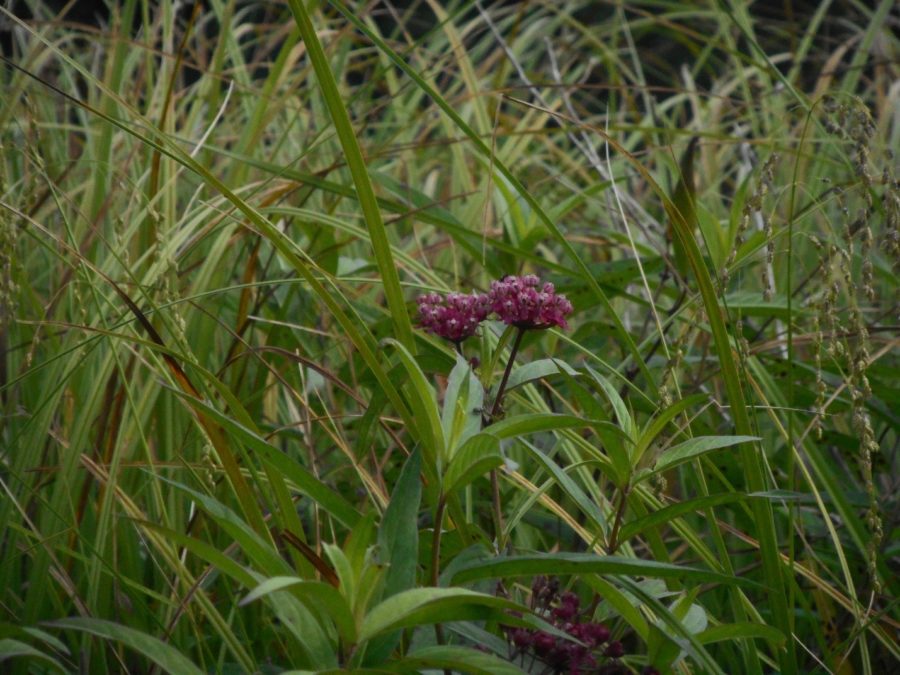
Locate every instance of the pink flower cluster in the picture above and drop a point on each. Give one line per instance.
(454, 317)
(523, 302)
(517, 301)
(589, 650)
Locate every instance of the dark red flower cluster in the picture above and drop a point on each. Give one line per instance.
(455, 317)
(518, 301)
(573, 657)
(524, 302)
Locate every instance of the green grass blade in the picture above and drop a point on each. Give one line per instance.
(165, 656)
(357, 165)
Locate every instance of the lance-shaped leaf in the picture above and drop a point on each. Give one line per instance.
(691, 449)
(476, 457)
(164, 655)
(322, 596)
(420, 606)
(560, 564)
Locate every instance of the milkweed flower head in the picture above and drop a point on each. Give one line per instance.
(587, 649)
(525, 303)
(454, 317)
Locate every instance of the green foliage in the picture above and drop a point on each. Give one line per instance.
(226, 447)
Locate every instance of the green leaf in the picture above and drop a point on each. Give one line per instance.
(474, 634)
(157, 651)
(670, 636)
(619, 601)
(357, 165)
(560, 564)
(801, 497)
(751, 303)
(693, 448)
(463, 399)
(302, 478)
(398, 543)
(621, 410)
(423, 403)
(269, 562)
(692, 616)
(669, 513)
(737, 631)
(535, 370)
(10, 648)
(420, 606)
(475, 458)
(398, 536)
(343, 568)
(663, 648)
(659, 422)
(22, 633)
(315, 594)
(358, 544)
(521, 425)
(455, 659)
(265, 557)
(684, 202)
(569, 486)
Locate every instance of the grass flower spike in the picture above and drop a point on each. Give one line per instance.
(454, 317)
(524, 303)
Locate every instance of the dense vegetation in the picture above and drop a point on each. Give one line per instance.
(235, 440)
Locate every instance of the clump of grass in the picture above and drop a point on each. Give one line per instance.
(228, 446)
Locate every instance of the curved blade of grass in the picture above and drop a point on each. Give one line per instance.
(427, 605)
(423, 402)
(693, 448)
(303, 479)
(521, 425)
(569, 486)
(357, 165)
(585, 563)
(457, 659)
(477, 456)
(268, 563)
(662, 516)
(165, 656)
(316, 594)
(10, 648)
(736, 631)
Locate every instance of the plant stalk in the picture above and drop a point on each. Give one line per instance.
(496, 506)
(436, 557)
(501, 390)
(613, 543)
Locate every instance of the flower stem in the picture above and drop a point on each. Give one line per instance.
(436, 558)
(436, 541)
(496, 508)
(501, 390)
(613, 543)
(495, 410)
